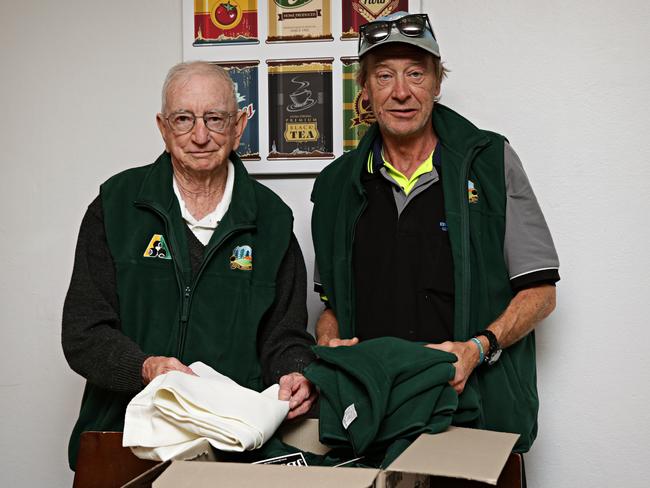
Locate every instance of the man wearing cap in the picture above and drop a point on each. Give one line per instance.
(429, 231)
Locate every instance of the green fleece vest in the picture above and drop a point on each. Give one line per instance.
(212, 317)
(476, 224)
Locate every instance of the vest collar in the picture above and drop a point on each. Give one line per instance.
(157, 191)
(455, 133)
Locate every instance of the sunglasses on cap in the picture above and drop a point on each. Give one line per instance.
(412, 25)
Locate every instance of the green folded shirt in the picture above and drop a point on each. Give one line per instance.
(379, 395)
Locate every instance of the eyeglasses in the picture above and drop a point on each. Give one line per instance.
(413, 25)
(183, 122)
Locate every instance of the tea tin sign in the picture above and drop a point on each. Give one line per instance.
(300, 109)
(299, 20)
(357, 114)
(358, 12)
(244, 75)
(225, 22)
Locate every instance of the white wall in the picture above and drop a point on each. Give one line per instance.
(80, 90)
(567, 82)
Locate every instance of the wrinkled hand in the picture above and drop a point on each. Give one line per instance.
(300, 393)
(342, 342)
(157, 365)
(468, 356)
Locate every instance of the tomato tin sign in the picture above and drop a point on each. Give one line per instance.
(225, 21)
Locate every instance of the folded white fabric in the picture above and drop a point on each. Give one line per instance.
(177, 411)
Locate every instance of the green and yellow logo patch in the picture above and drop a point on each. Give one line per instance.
(242, 258)
(157, 248)
(472, 192)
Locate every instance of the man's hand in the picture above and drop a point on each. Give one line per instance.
(327, 331)
(300, 393)
(468, 356)
(336, 342)
(157, 365)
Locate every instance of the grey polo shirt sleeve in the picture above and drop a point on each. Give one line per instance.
(529, 251)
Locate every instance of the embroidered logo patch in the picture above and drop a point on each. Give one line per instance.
(157, 248)
(472, 192)
(242, 258)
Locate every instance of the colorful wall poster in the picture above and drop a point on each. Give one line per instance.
(300, 109)
(225, 22)
(358, 12)
(244, 75)
(299, 20)
(357, 114)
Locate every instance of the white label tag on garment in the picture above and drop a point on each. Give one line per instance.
(349, 416)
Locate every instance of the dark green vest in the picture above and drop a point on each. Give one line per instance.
(212, 317)
(508, 390)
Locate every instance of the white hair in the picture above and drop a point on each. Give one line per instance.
(185, 70)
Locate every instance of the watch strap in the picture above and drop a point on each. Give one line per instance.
(494, 351)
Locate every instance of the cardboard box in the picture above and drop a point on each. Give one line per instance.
(454, 458)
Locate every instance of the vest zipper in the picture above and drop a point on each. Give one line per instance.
(185, 310)
(465, 245)
(351, 298)
(185, 290)
(188, 292)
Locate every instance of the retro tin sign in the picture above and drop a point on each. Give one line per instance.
(225, 22)
(300, 109)
(244, 75)
(299, 20)
(358, 12)
(357, 114)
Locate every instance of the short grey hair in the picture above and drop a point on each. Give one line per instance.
(183, 71)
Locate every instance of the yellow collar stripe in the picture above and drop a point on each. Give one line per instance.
(407, 184)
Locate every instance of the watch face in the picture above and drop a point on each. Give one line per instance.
(495, 357)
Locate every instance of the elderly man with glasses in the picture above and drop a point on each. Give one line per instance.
(186, 259)
(429, 231)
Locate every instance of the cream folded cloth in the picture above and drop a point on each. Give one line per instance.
(177, 411)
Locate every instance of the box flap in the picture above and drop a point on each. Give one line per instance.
(303, 434)
(147, 478)
(199, 452)
(470, 454)
(182, 474)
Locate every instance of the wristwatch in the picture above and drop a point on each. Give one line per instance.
(493, 354)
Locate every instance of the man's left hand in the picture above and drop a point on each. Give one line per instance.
(300, 393)
(468, 356)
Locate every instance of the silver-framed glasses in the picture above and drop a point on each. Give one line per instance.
(183, 121)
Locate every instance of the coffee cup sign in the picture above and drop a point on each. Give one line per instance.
(300, 109)
(300, 98)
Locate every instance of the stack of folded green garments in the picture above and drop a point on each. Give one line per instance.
(380, 395)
